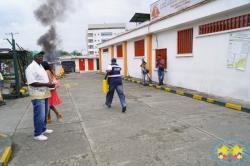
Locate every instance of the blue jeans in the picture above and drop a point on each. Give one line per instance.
(40, 110)
(161, 76)
(110, 94)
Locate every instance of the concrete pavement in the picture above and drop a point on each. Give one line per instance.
(158, 129)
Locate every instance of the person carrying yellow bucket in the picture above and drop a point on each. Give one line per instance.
(115, 84)
(105, 87)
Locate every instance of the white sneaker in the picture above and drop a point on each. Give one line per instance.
(48, 131)
(41, 138)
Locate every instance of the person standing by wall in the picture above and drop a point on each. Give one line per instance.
(144, 71)
(160, 65)
(38, 85)
(54, 99)
(115, 83)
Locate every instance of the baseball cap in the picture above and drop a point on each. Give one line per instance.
(36, 53)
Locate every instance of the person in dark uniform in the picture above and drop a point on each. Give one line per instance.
(115, 83)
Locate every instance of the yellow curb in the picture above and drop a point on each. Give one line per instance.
(233, 106)
(180, 92)
(158, 87)
(138, 82)
(197, 97)
(151, 85)
(210, 100)
(6, 156)
(168, 89)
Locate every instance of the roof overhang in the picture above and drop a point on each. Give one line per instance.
(140, 17)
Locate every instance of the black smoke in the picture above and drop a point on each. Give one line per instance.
(48, 14)
(52, 11)
(49, 40)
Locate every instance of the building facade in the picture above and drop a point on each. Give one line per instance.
(79, 64)
(206, 48)
(98, 33)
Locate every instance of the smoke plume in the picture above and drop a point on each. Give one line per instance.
(52, 11)
(49, 40)
(48, 14)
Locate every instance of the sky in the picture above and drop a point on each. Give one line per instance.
(17, 16)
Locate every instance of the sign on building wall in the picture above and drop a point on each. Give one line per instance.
(166, 7)
(239, 50)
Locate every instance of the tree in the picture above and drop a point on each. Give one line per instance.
(76, 53)
(64, 53)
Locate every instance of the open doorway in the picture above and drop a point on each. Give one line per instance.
(161, 54)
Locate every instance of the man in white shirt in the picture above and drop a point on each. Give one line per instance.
(39, 85)
(1, 88)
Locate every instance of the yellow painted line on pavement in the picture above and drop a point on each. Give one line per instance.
(138, 82)
(158, 87)
(67, 86)
(210, 100)
(197, 97)
(151, 85)
(6, 156)
(233, 106)
(180, 92)
(168, 89)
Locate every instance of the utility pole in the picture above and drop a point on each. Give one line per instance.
(14, 54)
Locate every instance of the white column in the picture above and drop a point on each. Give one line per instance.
(86, 65)
(77, 65)
(95, 65)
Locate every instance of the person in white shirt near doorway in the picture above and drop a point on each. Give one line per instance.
(38, 85)
(2, 102)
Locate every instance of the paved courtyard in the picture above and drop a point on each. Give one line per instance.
(158, 129)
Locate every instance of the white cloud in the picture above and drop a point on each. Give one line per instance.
(17, 16)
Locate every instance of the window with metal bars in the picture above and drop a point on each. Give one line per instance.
(185, 41)
(227, 24)
(139, 48)
(119, 51)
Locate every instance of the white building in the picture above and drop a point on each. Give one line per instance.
(80, 64)
(206, 45)
(98, 33)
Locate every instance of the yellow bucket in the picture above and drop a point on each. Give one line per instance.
(105, 87)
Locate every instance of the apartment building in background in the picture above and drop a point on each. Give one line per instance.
(99, 33)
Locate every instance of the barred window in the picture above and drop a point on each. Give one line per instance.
(139, 48)
(185, 41)
(119, 51)
(227, 24)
